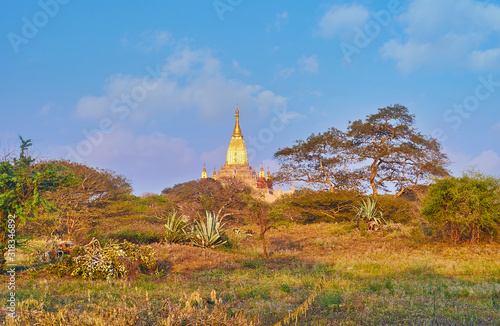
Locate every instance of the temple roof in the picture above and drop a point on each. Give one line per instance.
(237, 151)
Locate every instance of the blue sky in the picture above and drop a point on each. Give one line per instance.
(149, 89)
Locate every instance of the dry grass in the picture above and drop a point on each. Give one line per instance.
(384, 278)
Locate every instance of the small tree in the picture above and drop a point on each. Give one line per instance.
(260, 210)
(87, 200)
(22, 185)
(465, 208)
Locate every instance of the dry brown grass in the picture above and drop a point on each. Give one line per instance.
(377, 278)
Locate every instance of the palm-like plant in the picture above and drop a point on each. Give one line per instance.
(175, 228)
(209, 234)
(368, 211)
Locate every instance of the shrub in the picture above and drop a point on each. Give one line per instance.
(209, 234)
(308, 206)
(465, 208)
(115, 260)
(367, 211)
(175, 228)
(136, 237)
(398, 209)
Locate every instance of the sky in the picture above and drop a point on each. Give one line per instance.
(149, 89)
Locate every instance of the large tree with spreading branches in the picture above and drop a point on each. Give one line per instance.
(394, 151)
(381, 150)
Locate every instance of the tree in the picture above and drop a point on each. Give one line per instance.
(225, 198)
(259, 210)
(22, 183)
(88, 199)
(383, 149)
(465, 208)
(322, 161)
(394, 150)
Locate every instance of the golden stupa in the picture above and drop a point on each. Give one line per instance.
(237, 151)
(237, 167)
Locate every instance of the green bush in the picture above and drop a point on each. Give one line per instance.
(368, 211)
(115, 260)
(309, 206)
(175, 228)
(397, 209)
(136, 237)
(210, 234)
(465, 208)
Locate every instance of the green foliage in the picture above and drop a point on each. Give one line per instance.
(196, 197)
(465, 208)
(209, 234)
(398, 209)
(175, 228)
(115, 260)
(308, 206)
(23, 184)
(136, 237)
(97, 194)
(368, 211)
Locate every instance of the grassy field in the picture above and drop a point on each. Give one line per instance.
(391, 277)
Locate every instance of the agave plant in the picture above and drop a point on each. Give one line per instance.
(209, 234)
(175, 228)
(368, 211)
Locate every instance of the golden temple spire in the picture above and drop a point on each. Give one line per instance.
(204, 173)
(237, 151)
(261, 172)
(268, 175)
(237, 129)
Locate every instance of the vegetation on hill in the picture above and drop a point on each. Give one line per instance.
(465, 208)
(208, 252)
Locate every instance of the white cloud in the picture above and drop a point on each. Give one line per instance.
(152, 161)
(444, 32)
(217, 158)
(286, 72)
(46, 109)
(189, 80)
(309, 64)
(484, 60)
(341, 20)
(496, 127)
(149, 41)
(281, 20)
(240, 70)
(488, 162)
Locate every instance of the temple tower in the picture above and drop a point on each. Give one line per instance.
(237, 151)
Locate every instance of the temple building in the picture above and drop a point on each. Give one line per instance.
(237, 167)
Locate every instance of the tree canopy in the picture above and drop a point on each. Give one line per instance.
(383, 149)
(23, 181)
(88, 199)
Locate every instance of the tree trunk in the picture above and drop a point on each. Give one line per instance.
(374, 189)
(374, 169)
(264, 248)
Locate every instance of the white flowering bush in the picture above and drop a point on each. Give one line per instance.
(115, 260)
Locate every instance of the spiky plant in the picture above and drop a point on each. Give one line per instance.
(369, 212)
(175, 228)
(209, 234)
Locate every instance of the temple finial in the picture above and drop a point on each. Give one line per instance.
(237, 129)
